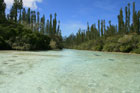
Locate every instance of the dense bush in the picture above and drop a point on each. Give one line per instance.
(110, 47)
(126, 48)
(3, 44)
(125, 39)
(58, 40)
(118, 43)
(15, 36)
(53, 44)
(136, 51)
(98, 48)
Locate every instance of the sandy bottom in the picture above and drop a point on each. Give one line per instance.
(69, 71)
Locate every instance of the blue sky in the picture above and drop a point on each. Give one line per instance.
(75, 14)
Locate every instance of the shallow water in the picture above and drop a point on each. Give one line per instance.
(69, 71)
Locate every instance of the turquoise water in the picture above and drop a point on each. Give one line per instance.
(69, 71)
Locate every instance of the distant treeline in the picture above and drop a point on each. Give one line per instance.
(123, 37)
(24, 29)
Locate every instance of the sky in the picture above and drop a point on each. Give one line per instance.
(74, 14)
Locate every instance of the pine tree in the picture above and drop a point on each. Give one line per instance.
(20, 8)
(129, 17)
(24, 15)
(111, 29)
(88, 32)
(126, 20)
(135, 19)
(2, 9)
(54, 24)
(38, 17)
(138, 22)
(12, 13)
(121, 22)
(134, 11)
(58, 29)
(33, 20)
(38, 21)
(15, 9)
(109, 23)
(47, 28)
(92, 32)
(78, 37)
(29, 16)
(51, 31)
(99, 26)
(102, 28)
(43, 24)
(82, 37)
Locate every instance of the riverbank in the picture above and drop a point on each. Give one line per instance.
(15, 36)
(118, 43)
(108, 52)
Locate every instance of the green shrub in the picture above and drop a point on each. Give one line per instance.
(125, 39)
(98, 48)
(111, 39)
(126, 48)
(4, 45)
(112, 47)
(17, 37)
(138, 45)
(137, 51)
(53, 44)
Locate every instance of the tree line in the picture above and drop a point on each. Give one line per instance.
(97, 35)
(31, 20)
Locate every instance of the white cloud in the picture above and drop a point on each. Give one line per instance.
(27, 3)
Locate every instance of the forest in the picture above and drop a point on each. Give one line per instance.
(24, 29)
(123, 37)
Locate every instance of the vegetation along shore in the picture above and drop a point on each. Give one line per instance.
(24, 29)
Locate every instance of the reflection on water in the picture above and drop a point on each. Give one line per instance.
(69, 71)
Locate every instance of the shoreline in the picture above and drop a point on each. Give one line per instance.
(107, 52)
(33, 50)
(71, 49)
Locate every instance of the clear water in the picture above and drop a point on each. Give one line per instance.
(69, 71)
